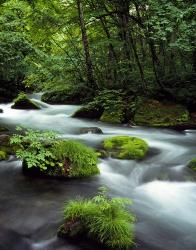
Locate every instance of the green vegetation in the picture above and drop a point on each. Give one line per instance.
(23, 102)
(126, 147)
(135, 47)
(34, 147)
(157, 114)
(79, 160)
(3, 155)
(3, 129)
(43, 154)
(105, 220)
(192, 164)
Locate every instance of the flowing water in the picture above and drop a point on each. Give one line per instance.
(161, 187)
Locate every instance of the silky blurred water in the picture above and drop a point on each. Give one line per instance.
(163, 190)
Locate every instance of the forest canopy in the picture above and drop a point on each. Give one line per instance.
(142, 46)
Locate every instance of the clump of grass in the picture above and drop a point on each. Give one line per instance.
(82, 160)
(103, 218)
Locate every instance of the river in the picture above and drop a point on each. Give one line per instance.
(162, 189)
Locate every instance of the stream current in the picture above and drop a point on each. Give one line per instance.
(162, 189)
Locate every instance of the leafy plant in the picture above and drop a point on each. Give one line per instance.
(34, 147)
(105, 219)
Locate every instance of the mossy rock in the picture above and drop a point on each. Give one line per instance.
(3, 155)
(192, 164)
(3, 129)
(23, 102)
(90, 111)
(126, 147)
(5, 144)
(156, 114)
(113, 115)
(102, 153)
(71, 160)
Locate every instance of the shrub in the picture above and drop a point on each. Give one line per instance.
(105, 219)
(33, 147)
(126, 147)
(58, 158)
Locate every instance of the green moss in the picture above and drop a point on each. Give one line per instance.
(3, 155)
(23, 102)
(2, 129)
(192, 164)
(112, 116)
(78, 160)
(126, 147)
(105, 220)
(156, 114)
(92, 111)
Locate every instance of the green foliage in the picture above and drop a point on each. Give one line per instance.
(21, 96)
(154, 113)
(105, 219)
(192, 164)
(34, 147)
(3, 155)
(126, 147)
(82, 160)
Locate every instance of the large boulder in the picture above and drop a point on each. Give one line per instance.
(126, 147)
(1, 110)
(91, 111)
(156, 114)
(23, 102)
(70, 159)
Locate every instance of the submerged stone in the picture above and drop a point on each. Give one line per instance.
(93, 130)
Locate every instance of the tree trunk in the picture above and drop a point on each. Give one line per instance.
(89, 65)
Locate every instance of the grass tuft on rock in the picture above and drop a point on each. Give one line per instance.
(105, 220)
(126, 147)
(81, 160)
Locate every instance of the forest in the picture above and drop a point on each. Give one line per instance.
(97, 124)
